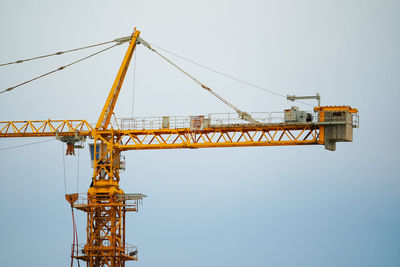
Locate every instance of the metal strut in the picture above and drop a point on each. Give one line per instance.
(295, 98)
(242, 114)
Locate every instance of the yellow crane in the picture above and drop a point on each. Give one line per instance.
(106, 203)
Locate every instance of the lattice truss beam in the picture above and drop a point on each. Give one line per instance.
(268, 135)
(44, 128)
(218, 137)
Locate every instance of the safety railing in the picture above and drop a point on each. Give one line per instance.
(222, 119)
(78, 250)
(342, 117)
(355, 120)
(131, 201)
(131, 250)
(152, 123)
(210, 120)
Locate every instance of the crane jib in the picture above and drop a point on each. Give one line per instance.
(106, 203)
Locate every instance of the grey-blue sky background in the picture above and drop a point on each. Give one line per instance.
(269, 206)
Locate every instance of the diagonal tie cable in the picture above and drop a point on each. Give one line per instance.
(243, 115)
(119, 42)
(227, 75)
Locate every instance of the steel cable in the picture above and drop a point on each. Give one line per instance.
(243, 115)
(77, 175)
(29, 144)
(227, 75)
(62, 52)
(60, 68)
(64, 172)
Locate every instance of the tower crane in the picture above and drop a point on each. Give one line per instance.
(106, 203)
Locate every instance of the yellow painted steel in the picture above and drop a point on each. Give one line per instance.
(321, 113)
(105, 243)
(238, 136)
(336, 108)
(108, 108)
(42, 128)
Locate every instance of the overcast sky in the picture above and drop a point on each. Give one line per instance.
(266, 206)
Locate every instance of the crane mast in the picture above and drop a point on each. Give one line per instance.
(106, 203)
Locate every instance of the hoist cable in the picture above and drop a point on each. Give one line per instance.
(75, 242)
(242, 114)
(60, 68)
(77, 175)
(65, 175)
(227, 75)
(29, 144)
(119, 40)
(73, 236)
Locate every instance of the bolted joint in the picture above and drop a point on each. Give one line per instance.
(122, 40)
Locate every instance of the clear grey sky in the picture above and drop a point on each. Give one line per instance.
(269, 206)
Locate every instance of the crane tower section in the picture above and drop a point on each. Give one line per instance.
(106, 204)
